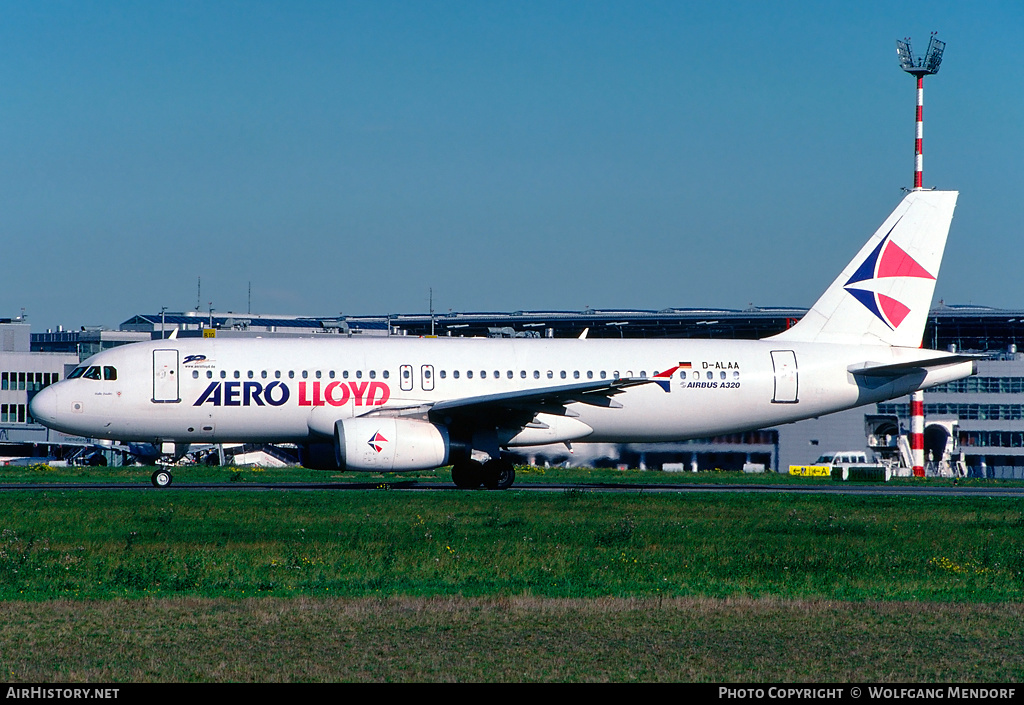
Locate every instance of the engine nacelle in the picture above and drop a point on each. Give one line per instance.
(382, 444)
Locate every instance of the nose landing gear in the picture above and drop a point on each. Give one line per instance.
(161, 478)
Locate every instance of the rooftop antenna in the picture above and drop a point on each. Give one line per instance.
(249, 310)
(199, 292)
(920, 67)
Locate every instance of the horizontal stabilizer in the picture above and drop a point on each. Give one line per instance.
(870, 369)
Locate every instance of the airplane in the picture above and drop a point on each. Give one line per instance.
(403, 403)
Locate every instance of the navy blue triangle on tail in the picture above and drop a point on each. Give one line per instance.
(868, 299)
(867, 268)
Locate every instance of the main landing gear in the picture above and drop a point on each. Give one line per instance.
(495, 474)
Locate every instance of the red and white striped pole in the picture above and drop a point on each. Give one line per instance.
(917, 432)
(917, 398)
(919, 68)
(918, 158)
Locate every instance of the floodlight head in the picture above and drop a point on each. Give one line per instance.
(921, 66)
(905, 54)
(933, 58)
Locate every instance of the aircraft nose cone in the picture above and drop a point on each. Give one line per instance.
(43, 406)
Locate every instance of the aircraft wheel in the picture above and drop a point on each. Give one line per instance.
(161, 478)
(499, 474)
(467, 475)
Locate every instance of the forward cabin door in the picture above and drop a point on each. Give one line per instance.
(165, 377)
(786, 378)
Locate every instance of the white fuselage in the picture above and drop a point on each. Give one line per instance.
(293, 390)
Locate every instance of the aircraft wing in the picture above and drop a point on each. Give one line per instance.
(596, 393)
(518, 408)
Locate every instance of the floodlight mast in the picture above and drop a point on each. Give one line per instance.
(920, 68)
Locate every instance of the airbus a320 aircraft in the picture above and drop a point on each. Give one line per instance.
(392, 404)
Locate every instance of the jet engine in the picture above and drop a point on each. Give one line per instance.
(382, 444)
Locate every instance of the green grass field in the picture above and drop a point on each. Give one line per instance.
(169, 585)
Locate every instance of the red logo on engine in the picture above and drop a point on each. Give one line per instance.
(377, 442)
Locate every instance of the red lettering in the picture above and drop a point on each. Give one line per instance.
(357, 389)
(385, 394)
(334, 393)
(329, 394)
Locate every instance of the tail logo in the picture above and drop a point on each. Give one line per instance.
(886, 261)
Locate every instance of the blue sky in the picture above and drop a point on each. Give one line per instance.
(350, 156)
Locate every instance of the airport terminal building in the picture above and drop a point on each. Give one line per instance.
(977, 423)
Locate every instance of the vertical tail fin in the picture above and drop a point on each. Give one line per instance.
(885, 292)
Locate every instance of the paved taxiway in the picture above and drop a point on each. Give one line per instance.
(413, 486)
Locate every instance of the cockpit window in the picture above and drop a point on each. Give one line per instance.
(92, 373)
(109, 373)
(76, 373)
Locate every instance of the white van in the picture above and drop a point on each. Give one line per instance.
(846, 457)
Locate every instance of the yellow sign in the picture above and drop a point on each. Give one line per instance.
(209, 332)
(811, 470)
